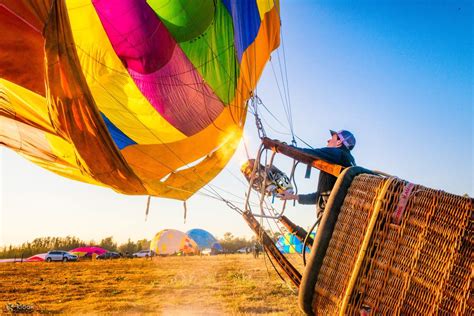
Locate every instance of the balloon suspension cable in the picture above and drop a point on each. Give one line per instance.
(293, 180)
(293, 140)
(245, 147)
(320, 216)
(277, 272)
(264, 184)
(276, 119)
(254, 102)
(252, 178)
(248, 210)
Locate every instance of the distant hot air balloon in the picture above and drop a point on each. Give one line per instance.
(145, 97)
(87, 251)
(37, 258)
(172, 241)
(204, 239)
(288, 243)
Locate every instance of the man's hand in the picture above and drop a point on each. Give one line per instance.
(288, 196)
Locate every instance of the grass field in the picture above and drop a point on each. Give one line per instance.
(215, 285)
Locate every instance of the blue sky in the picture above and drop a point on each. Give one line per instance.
(398, 74)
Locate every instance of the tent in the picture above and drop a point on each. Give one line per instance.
(172, 241)
(288, 243)
(204, 239)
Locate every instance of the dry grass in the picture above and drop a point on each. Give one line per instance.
(216, 285)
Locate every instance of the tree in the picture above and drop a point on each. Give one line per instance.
(130, 247)
(143, 244)
(108, 243)
(231, 244)
(41, 245)
(228, 236)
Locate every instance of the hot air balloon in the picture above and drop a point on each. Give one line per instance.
(87, 251)
(37, 258)
(144, 97)
(204, 239)
(172, 241)
(289, 243)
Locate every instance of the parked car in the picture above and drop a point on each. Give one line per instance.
(144, 253)
(109, 255)
(243, 250)
(206, 252)
(60, 255)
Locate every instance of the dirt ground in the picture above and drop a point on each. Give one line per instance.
(208, 285)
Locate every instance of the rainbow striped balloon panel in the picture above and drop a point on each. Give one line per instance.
(144, 97)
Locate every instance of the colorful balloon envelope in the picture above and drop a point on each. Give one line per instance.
(173, 242)
(204, 239)
(37, 258)
(145, 97)
(288, 243)
(87, 251)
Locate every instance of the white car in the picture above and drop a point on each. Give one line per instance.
(206, 252)
(60, 255)
(144, 254)
(243, 250)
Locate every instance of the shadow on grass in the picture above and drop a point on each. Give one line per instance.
(48, 312)
(259, 310)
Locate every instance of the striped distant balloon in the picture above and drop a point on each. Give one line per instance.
(288, 243)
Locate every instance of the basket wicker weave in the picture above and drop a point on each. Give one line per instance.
(421, 264)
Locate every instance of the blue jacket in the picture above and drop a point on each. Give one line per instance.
(340, 156)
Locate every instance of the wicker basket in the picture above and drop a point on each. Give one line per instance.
(386, 246)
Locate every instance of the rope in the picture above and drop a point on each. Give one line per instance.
(185, 211)
(147, 207)
(290, 119)
(281, 124)
(318, 220)
(245, 147)
(279, 274)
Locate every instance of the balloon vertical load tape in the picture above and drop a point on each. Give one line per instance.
(185, 211)
(147, 207)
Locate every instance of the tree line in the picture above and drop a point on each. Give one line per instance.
(229, 243)
(45, 244)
